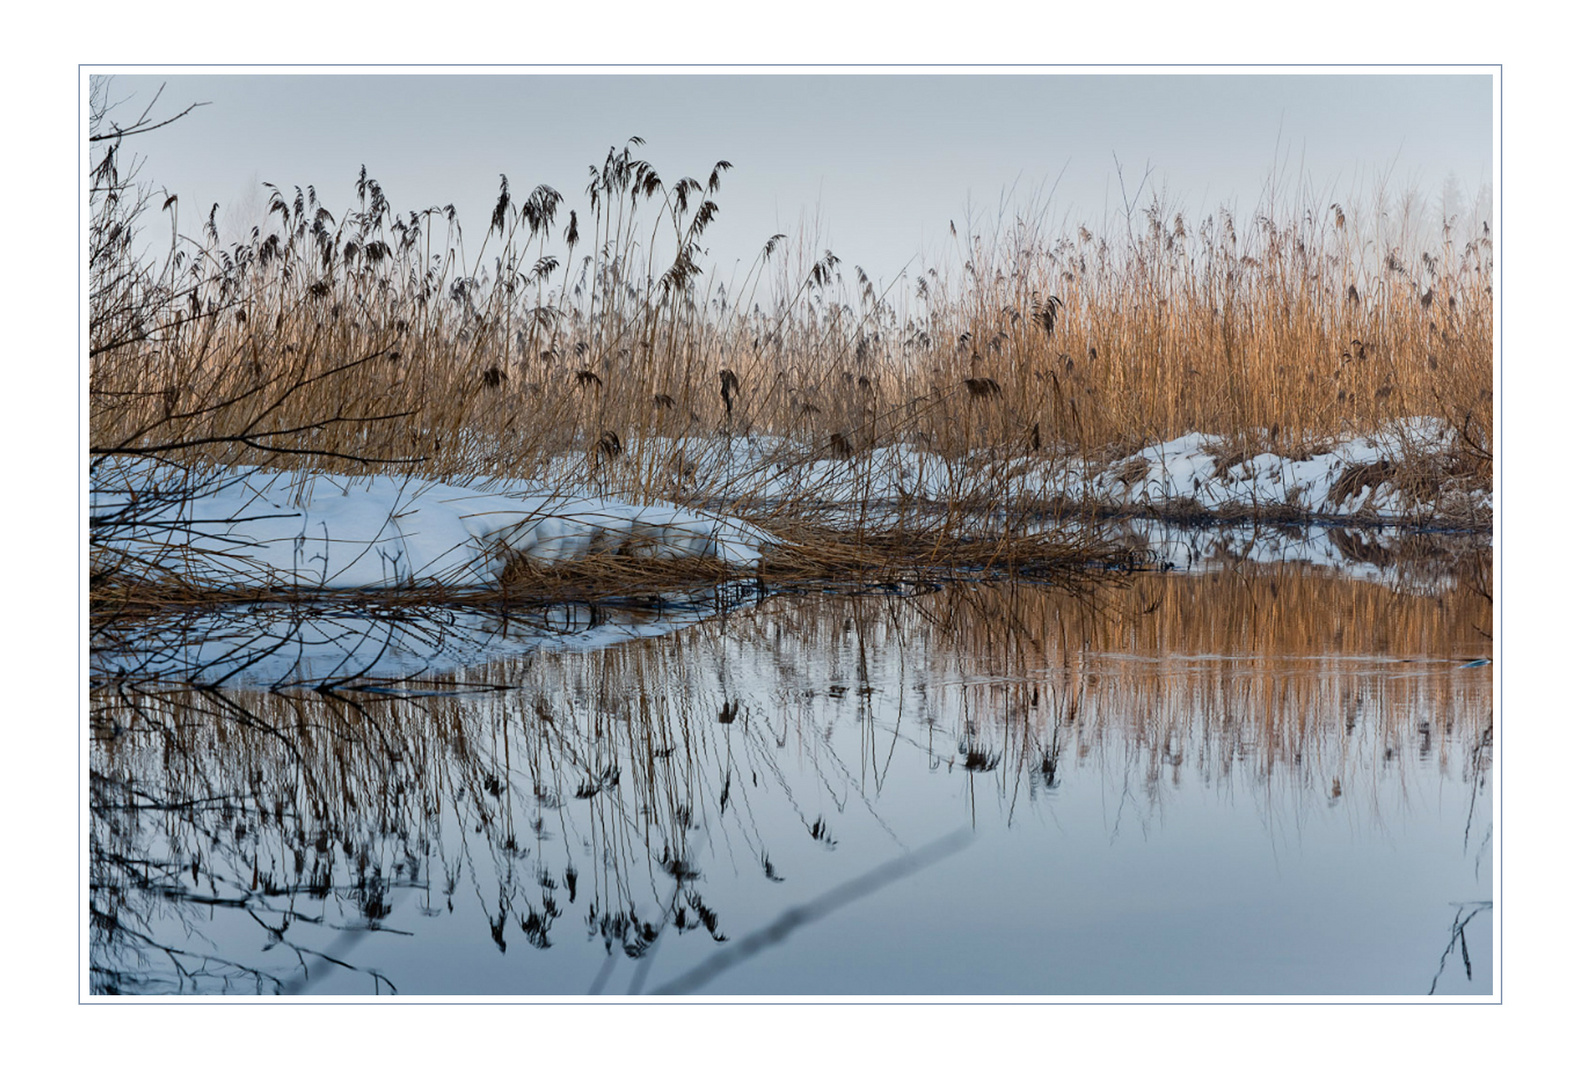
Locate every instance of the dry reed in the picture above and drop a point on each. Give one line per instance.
(374, 340)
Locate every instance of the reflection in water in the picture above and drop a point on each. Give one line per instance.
(1406, 559)
(1266, 781)
(360, 644)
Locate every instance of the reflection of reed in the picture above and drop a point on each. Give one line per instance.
(610, 788)
(1314, 678)
(590, 785)
(1265, 669)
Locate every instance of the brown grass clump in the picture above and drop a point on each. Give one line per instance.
(599, 575)
(1357, 478)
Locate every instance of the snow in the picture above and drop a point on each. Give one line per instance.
(251, 527)
(237, 530)
(1190, 472)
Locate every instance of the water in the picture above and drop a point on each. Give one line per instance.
(1266, 779)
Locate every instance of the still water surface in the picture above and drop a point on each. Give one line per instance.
(1263, 780)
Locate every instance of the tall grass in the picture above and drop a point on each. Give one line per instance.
(370, 339)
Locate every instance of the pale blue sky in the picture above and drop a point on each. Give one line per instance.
(883, 161)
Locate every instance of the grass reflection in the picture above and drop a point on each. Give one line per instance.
(255, 842)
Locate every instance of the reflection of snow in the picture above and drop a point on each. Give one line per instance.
(277, 645)
(1399, 557)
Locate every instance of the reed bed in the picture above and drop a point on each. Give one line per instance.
(586, 344)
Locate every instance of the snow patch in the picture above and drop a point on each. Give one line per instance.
(256, 528)
(1195, 471)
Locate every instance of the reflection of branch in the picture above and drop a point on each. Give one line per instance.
(300, 985)
(1458, 935)
(113, 977)
(1485, 741)
(825, 904)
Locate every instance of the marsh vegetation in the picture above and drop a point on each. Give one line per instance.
(914, 599)
(577, 343)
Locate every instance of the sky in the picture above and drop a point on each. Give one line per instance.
(875, 166)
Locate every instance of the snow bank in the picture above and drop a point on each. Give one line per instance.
(248, 527)
(254, 528)
(1195, 472)
(1350, 479)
